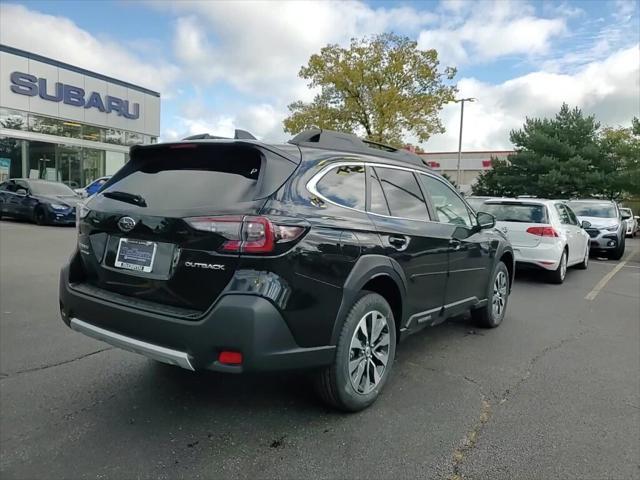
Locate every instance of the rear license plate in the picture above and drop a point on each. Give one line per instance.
(135, 255)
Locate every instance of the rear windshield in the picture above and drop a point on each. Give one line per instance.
(590, 209)
(190, 177)
(517, 212)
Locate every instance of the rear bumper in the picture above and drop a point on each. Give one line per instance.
(545, 256)
(248, 324)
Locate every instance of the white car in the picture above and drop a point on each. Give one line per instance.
(632, 223)
(545, 234)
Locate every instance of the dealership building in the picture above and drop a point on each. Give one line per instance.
(472, 164)
(63, 123)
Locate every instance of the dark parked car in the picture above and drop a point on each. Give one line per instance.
(40, 201)
(235, 255)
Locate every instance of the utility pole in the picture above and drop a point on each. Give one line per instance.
(461, 101)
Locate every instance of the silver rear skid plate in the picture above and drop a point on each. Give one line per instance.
(156, 352)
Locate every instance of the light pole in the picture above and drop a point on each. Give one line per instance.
(461, 102)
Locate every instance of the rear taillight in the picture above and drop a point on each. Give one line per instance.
(542, 231)
(247, 234)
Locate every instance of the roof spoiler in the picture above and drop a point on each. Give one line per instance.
(331, 140)
(238, 135)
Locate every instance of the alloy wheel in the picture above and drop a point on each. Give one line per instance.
(369, 352)
(499, 294)
(563, 266)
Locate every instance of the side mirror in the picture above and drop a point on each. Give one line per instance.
(585, 224)
(486, 220)
(637, 217)
(21, 192)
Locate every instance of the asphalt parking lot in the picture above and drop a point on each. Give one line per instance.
(553, 393)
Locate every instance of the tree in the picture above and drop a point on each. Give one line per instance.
(567, 156)
(620, 161)
(383, 86)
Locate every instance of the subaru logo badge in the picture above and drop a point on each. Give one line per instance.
(126, 224)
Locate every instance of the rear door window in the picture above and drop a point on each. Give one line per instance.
(572, 216)
(565, 219)
(344, 185)
(402, 193)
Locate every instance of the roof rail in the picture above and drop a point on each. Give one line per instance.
(330, 140)
(238, 135)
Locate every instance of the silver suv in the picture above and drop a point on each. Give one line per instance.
(604, 223)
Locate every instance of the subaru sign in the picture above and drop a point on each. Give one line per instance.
(31, 86)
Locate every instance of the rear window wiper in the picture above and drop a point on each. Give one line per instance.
(126, 197)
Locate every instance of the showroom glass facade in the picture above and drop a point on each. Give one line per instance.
(74, 165)
(63, 123)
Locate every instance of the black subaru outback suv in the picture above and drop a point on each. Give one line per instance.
(235, 255)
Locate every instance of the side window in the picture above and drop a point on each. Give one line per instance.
(448, 205)
(378, 204)
(344, 185)
(572, 216)
(402, 193)
(3, 186)
(562, 213)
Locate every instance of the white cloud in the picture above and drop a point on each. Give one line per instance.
(59, 38)
(491, 30)
(258, 47)
(609, 89)
(262, 120)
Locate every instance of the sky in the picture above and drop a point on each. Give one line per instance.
(221, 65)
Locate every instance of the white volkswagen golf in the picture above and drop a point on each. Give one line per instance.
(544, 233)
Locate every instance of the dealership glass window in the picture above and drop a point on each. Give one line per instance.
(10, 158)
(93, 134)
(93, 165)
(46, 125)
(113, 135)
(70, 165)
(133, 138)
(42, 161)
(13, 119)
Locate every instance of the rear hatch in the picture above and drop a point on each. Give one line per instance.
(522, 222)
(165, 229)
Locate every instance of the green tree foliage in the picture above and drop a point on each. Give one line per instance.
(567, 156)
(382, 85)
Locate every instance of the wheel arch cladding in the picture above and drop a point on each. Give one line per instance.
(508, 259)
(377, 273)
(385, 286)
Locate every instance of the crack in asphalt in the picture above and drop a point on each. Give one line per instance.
(4, 376)
(470, 439)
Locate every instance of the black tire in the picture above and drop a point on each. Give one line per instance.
(486, 317)
(619, 251)
(40, 216)
(334, 383)
(560, 273)
(584, 264)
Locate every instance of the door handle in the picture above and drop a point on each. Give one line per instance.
(398, 241)
(455, 244)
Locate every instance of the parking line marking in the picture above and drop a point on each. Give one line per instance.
(603, 282)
